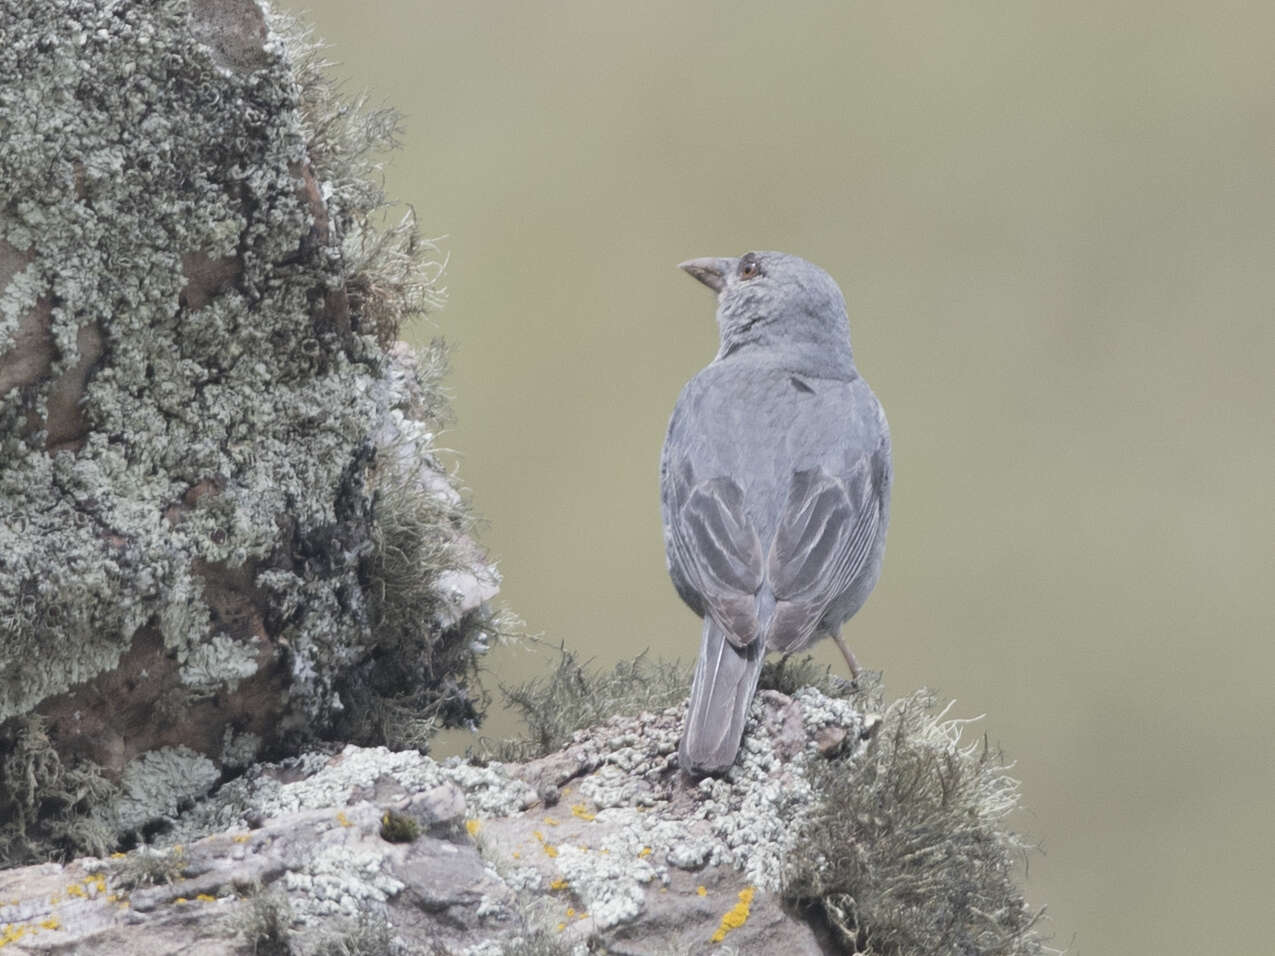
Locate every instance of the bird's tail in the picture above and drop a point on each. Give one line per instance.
(723, 687)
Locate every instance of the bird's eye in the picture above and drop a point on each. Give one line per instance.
(749, 267)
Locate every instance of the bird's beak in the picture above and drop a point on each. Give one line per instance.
(711, 272)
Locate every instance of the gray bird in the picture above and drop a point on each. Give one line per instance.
(775, 487)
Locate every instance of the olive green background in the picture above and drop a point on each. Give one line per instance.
(1055, 228)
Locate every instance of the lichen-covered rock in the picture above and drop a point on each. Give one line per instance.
(207, 444)
(895, 843)
(632, 858)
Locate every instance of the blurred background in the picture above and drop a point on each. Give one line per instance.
(1055, 228)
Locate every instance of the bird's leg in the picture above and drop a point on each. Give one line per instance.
(846, 653)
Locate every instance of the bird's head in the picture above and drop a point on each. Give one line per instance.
(775, 301)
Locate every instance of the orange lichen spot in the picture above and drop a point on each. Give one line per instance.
(241, 837)
(551, 821)
(581, 811)
(205, 898)
(97, 881)
(473, 826)
(561, 927)
(736, 916)
(583, 916)
(559, 884)
(76, 890)
(516, 855)
(644, 852)
(342, 819)
(118, 856)
(571, 911)
(181, 899)
(51, 923)
(701, 890)
(550, 850)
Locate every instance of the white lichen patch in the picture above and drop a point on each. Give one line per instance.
(340, 881)
(610, 886)
(818, 711)
(747, 819)
(332, 781)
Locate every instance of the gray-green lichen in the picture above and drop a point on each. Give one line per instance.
(125, 149)
(158, 783)
(190, 250)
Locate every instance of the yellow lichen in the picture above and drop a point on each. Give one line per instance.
(559, 884)
(551, 821)
(51, 923)
(473, 826)
(561, 927)
(181, 899)
(12, 933)
(644, 852)
(342, 819)
(97, 881)
(205, 898)
(701, 890)
(581, 811)
(241, 838)
(549, 848)
(737, 916)
(571, 911)
(76, 890)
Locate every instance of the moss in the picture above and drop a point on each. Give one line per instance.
(398, 828)
(789, 673)
(369, 935)
(575, 696)
(906, 848)
(147, 867)
(423, 673)
(267, 923)
(47, 801)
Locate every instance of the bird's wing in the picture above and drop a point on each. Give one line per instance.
(715, 546)
(825, 534)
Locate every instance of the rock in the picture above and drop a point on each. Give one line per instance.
(634, 858)
(223, 530)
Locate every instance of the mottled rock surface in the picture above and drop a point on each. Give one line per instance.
(602, 844)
